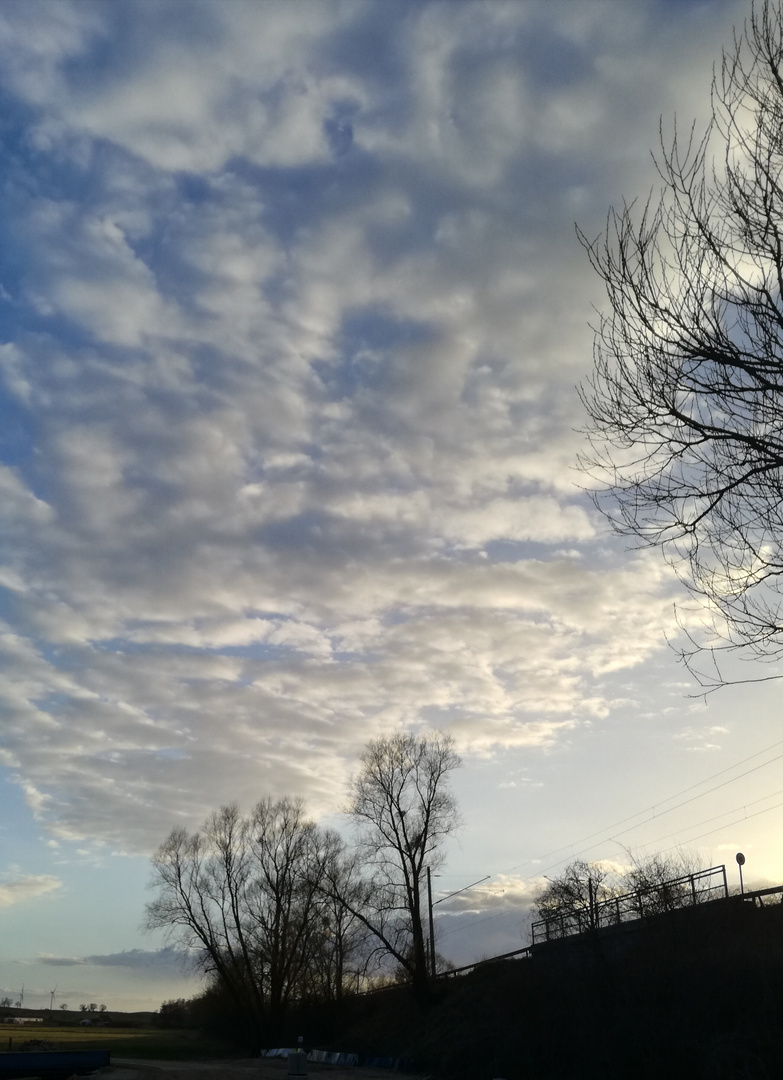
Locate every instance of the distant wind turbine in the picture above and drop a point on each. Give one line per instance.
(51, 996)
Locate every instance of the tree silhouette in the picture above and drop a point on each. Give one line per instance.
(686, 397)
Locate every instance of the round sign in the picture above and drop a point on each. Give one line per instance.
(740, 859)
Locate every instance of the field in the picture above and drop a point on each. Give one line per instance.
(139, 1042)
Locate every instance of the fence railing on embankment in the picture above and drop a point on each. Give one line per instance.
(700, 887)
(686, 891)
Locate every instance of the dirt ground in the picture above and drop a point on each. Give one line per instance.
(248, 1069)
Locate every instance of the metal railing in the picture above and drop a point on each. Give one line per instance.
(762, 897)
(516, 954)
(686, 891)
(682, 892)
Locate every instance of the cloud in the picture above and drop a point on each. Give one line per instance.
(487, 919)
(26, 887)
(504, 892)
(186, 94)
(139, 960)
(297, 314)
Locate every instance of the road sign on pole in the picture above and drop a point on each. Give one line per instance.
(740, 864)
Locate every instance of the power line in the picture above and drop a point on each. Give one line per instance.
(693, 798)
(480, 919)
(612, 837)
(652, 809)
(655, 811)
(726, 813)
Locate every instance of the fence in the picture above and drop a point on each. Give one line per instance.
(686, 891)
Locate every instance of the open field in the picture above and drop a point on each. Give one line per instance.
(143, 1042)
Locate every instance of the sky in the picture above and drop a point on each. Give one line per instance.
(292, 316)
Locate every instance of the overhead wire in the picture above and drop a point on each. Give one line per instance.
(729, 824)
(726, 813)
(469, 924)
(652, 809)
(656, 810)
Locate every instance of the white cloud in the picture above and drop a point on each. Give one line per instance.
(240, 80)
(25, 888)
(304, 417)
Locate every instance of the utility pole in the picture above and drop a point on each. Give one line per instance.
(433, 969)
(431, 905)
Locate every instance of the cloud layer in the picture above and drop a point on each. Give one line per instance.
(291, 318)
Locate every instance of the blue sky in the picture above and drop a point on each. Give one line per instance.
(292, 313)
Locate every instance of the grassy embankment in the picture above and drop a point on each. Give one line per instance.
(697, 994)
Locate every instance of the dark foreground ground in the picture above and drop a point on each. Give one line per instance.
(255, 1068)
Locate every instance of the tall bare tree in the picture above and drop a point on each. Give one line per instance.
(200, 881)
(404, 810)
(242, 896)
(287, 857)
(686, 398)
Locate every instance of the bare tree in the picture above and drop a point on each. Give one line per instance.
(404, 810)
(288, 854)
(686, 398)
(241, 896)
(201, 880)
(663, 882)
(569, 903)
(341, 955)
(590, 895)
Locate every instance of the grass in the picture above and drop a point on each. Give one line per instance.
(144, 1042)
